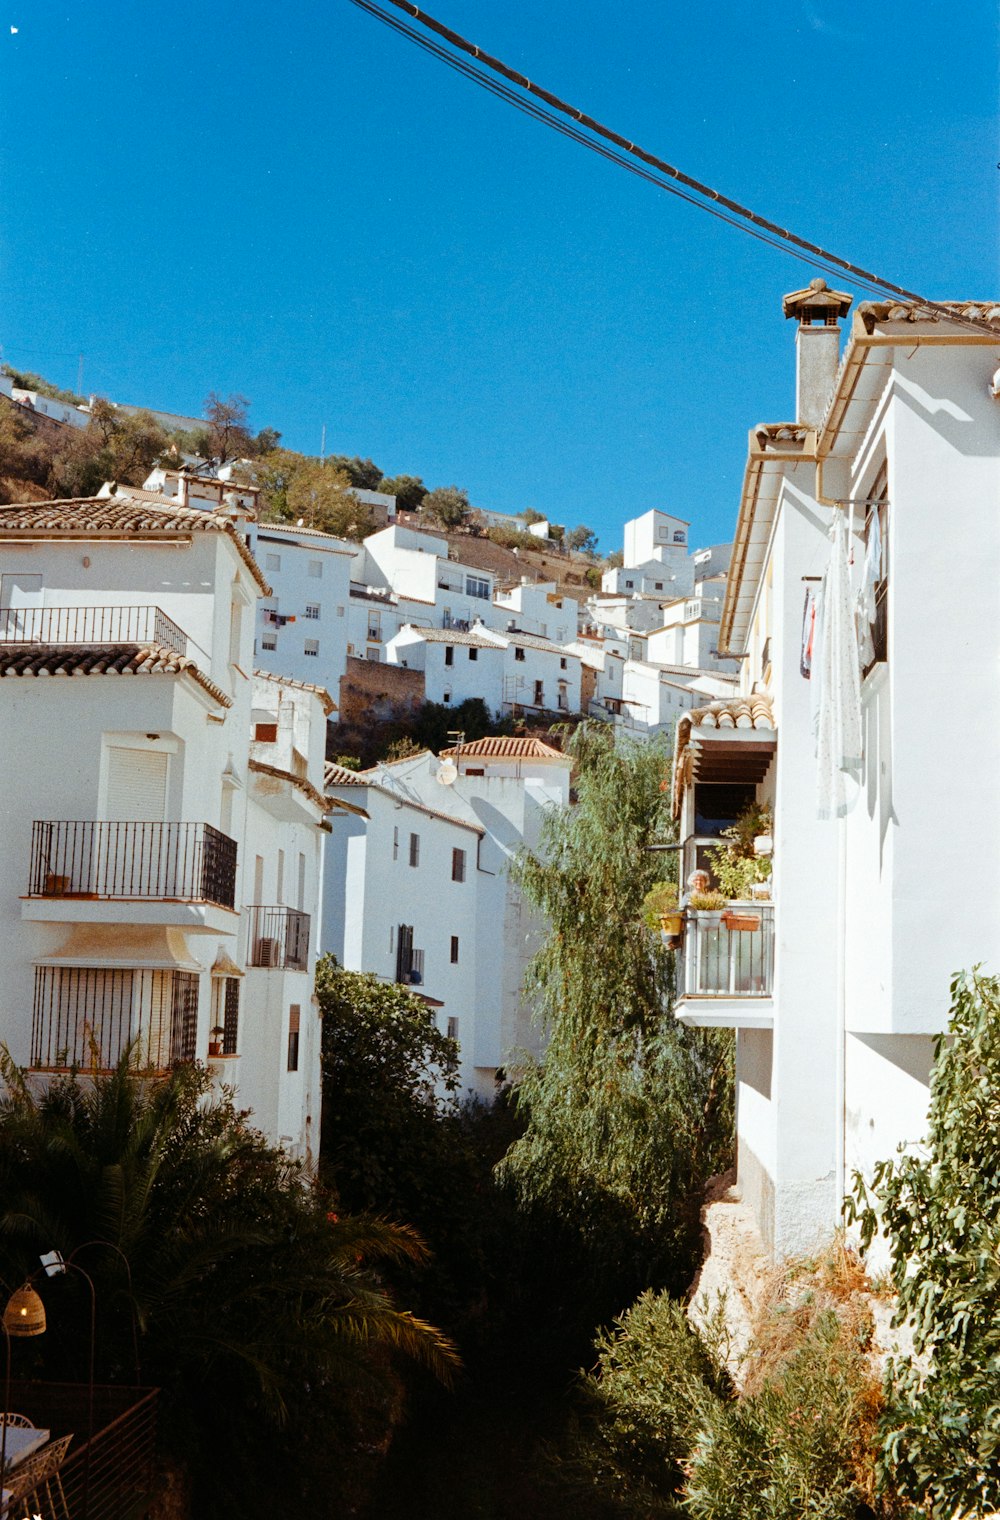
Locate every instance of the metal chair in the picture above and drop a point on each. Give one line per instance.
(36, 1483)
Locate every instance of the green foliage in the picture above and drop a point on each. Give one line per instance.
(734, 864)
(583, 540)
(664, 1428)
(25, 380)
(115, 445)
(295, 488)
(361, 473)
(630, 1112)
(23, 455)
(658, 901)
(939, 1209)
(614, 560)
(448, 506)
(257, 1306)
(511, 538)
(435, 721)
(409, 491)
(708, 902)
(531, 516)
(228, 420)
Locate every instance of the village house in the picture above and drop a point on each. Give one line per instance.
(849, 637)
(164, 815)
(512, 671)
(418, 890)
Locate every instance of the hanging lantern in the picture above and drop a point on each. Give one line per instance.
(25, 1313)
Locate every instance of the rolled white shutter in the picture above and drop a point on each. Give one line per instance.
(137, 784)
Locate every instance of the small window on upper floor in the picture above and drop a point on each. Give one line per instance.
(454, 949)
(679, 537)
(458, 865)
(518, 652)
(630, 585)
(452, 1027)
(449, 654)
(272, 561)
(316, 568)
(266, 733)
(312, 609)
(473, 654)
(562, 663)
(311, 647)
(395, 844)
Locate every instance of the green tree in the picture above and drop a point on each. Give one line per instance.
(259, 1306)
(323, 497)
(409, 490)
(939, 1209)
(22, 453)
(582, 540)
(360, 472)
(630, 1112)
(531, 516)
(115, 445)
(447, 505)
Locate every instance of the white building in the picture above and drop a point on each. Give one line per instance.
(418, 566)
(838, 991)
(302, 627)
(536, 607)
(418, 891)
(155, 853)
(511, 671)
(689, 633)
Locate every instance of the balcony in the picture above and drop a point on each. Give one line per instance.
(109, 1476)
(279, 938)
(165, 862)
(88, 1016)
(725, 973)
(90, 625)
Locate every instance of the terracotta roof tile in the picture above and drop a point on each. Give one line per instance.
(339, 775)
(505, 747)
(104, 660)
(91, 516)
(873, 312)
(743, 712)
(329, 705)
(476, 638)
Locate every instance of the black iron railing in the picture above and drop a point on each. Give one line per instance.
(730, 958)
(88, 1016)
(90, 625)
(190, 862)
(279, 937)
(111, 1475)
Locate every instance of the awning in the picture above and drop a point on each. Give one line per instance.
(733, 740)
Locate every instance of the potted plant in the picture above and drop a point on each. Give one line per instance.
(215, 1040)
(660, 910)
(742, 872)
(708, 906)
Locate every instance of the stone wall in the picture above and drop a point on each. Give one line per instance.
(372, 691)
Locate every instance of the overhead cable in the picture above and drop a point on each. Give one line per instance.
(630, 156)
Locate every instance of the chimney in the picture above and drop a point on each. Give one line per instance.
(817, 346)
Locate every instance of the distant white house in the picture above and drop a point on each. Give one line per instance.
(419, 891)
(302, 627)
(510, 671)
(536, 607)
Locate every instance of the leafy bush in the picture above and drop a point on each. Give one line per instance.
(661, 899)
(939, 1210)
(708, 902)
(734, 864)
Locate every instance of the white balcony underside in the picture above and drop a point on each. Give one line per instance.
(194, 917)
(725, 1012)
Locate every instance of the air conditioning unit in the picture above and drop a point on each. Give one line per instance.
(267, 952)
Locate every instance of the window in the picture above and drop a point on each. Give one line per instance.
(266, 733)
(316, 568)
(268, 641)
(630, 584)
(312, 609)
(230, 1020)
(473, 654)
(875, 649)
(449, 655)
(373, 653)
(474, 586)
(454, 949)
(404, 952)
(446, 697)
(374, 627)
(458, 865)
(518, 652)
(539, 694)
(311, 647)
(340, 612)
(679, 536)
(562, 664)
(416, 967)
(272, 561)
(294, 1020)
(471, 770)
(414, 849)
(395, 844)
(663, 532)
(452, 1027)
(657, 585)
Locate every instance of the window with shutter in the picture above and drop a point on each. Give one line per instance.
(136, 785)
(230, 1016)
(294, 1019)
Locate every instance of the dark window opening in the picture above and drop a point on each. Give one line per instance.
(294, 1019)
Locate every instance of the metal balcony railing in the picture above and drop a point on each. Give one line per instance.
(734, 959)
(279, 938)
(111, 1474)
(187, 862)
(90, 625)
(88, 1016)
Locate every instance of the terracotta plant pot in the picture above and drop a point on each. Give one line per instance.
(56, 886)
(741, 921)
(215, 1047)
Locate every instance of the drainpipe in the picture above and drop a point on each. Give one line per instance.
(840, 1053)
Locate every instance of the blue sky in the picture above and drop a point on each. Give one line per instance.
(295, 203)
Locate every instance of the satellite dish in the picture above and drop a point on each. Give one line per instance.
(447, 773)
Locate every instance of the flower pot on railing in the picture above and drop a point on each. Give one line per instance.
(56, 886)
(708, 908)
(671, 923)
(738, 920)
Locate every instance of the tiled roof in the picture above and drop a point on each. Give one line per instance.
(534, 641)
(88, 516)
(339, 775)
(329, 705)
(504, 747)
(477, 639)
(334, 545)
(873, 312)
(737, 712)
(104, 660)
(299, 782)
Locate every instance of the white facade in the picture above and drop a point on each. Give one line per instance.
(689, 633)
(510, 671)
(48, 406)
(656, 535)
(380, 883)
(834, 1038)
(302, 628)
(536, 607)
(417, 566)
(136, 807)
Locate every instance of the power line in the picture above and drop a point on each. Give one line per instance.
(630, 156)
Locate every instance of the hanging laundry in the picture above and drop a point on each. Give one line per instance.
(866, 594)
(808, 633)
(838, 732)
